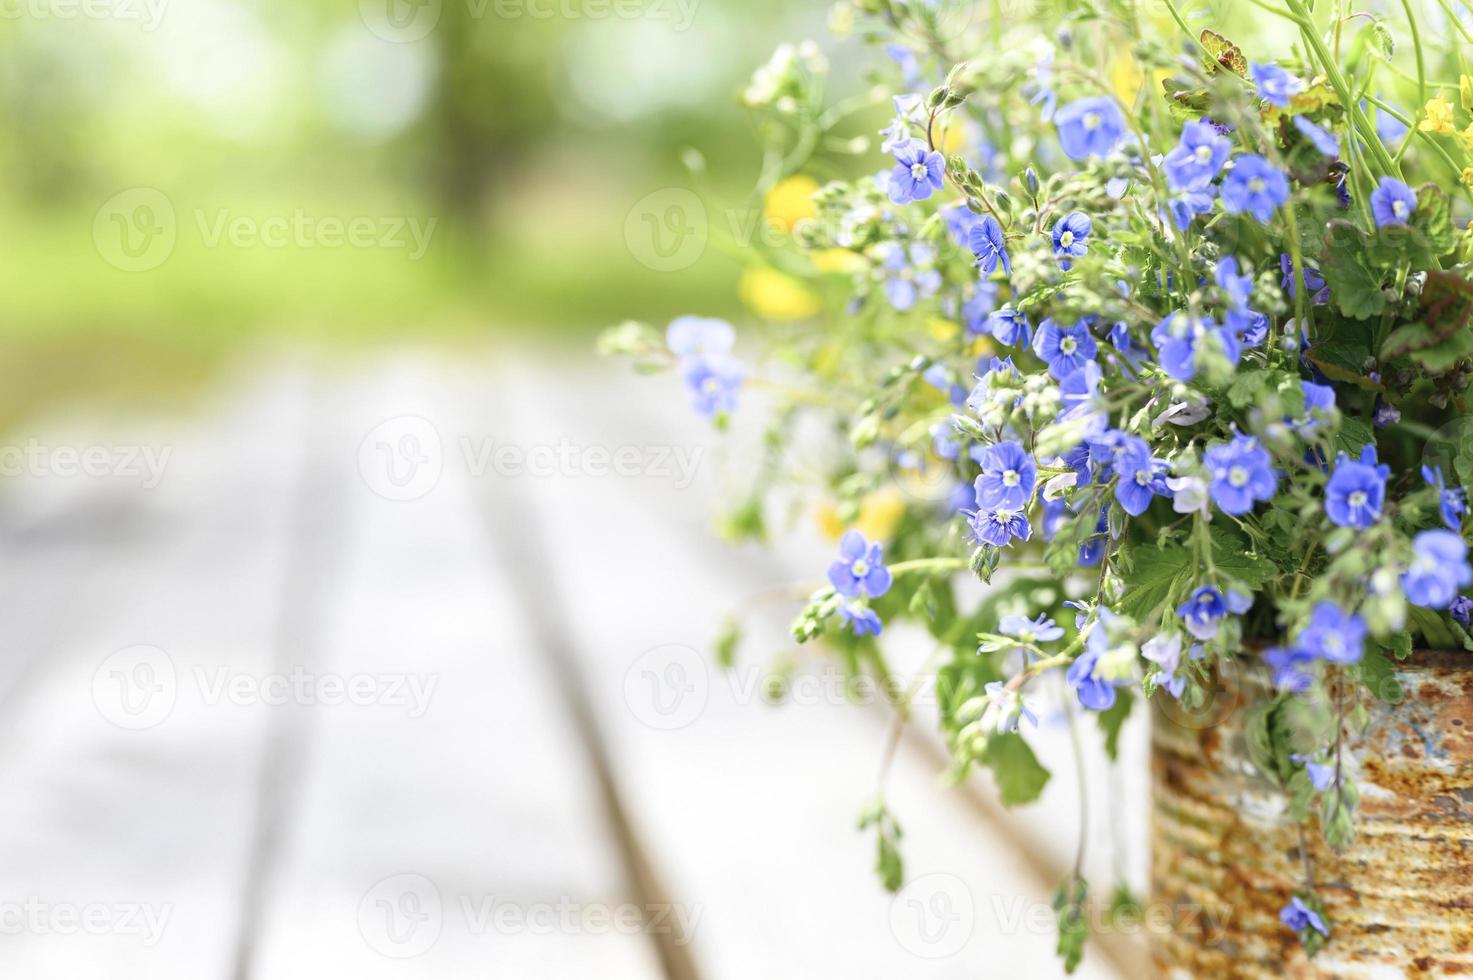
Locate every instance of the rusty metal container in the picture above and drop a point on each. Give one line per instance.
(1226, 857)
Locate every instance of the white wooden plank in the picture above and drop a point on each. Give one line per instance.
(141, 831)
(461, 835)
(749, 811)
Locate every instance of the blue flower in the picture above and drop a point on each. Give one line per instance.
(1239, 288)
(1323, 139)
(861, 618)
(1275, 84)
(918, 172)
(1254, 185)
(1334, 635)
(1319, 400)
(1035, 631)
(944, 444)
(910, 68)
(1008, 477)
(1093, 692)
(1010, 327)
(1197, 158)
(860, 569)
(1205, 608)
(1320, 776)
(1064, 349)
(1312, 280)
(1179, 336)
(713, 381)
(690, 336)
(1079, 390)
(1290, 666)
(1452, 504)
(1356, 490)
(1000, 525)
(1090, 127)
(1186, 206)
(910, 276)
(1299, 917)
(1242, 474)
(1392, 202)
(1141, 477)
(986, 241)
(1388, 127)
(1438, 571)
(1462, 610)
(977, 311)
(1071, 237)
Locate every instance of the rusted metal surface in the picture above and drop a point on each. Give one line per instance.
(1226, 858)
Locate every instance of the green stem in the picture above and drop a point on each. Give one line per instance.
(1421, 78)
(1342, 89)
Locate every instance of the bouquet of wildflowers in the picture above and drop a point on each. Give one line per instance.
(1167, 340)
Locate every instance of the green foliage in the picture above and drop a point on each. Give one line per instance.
(889, 865)
(1020, 777)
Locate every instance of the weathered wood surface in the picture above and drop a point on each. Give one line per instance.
(542, 749)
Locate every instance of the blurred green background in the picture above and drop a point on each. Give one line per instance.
(516, 135)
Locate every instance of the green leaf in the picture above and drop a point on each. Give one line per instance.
(1354, 434)
(1233, 555)
(1073, 926)
(1020, 777)
(1433, 218)
(1113, 719)
(1354, 289)
(1433, 628)
(1148, 584)
(1379, 677)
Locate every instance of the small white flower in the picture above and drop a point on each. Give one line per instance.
(1189, 494)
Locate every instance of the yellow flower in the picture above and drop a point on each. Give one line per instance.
(1468, 177)
(878, 517)
(954, 139)
(942, 329)
(1126, 77)
(773, 295)
(1465, 137)
(837, 260)
(789, 202)
(1438, 116)
(1465, 91)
